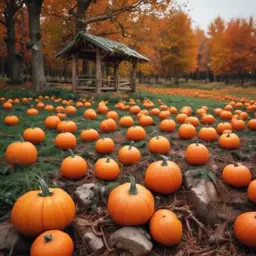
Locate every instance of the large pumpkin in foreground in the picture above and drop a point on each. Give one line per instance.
(41, 210)
(245, 228)
(52, 243)
(131, 204)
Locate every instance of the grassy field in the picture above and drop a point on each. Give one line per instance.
(15, 182)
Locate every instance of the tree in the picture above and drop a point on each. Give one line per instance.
(38, 75)
(9, 8)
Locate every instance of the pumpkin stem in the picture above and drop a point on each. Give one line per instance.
(108, 159)
(165, 160)
(157, 135)
(132, 190)
(197, 143)
(48, 238)
(228, 135)
(235, 164)
(131, 144)
(21, 138)
(72, 153)
(45, 189)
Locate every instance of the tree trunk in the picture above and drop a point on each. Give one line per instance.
(38, 75)
(12, 60)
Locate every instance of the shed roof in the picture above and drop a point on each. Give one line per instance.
(113, 49)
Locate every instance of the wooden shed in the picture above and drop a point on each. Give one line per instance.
(101, 50)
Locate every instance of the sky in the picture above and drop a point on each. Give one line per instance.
(203, 12)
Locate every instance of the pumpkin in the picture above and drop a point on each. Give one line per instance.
(126, 121)
(67, 126)
(208, 134)
(244, 115)
(52, 122)
(60, 109)
(89, 135)
(105, 146)
(136, 133)
(108, 125)
(160, 225)
(40, 210)
(7, 105)
(159, 145)
(102, 109)
(107, 169)
(65, 140)
(180, 118)
(173, 110)
(32, 112)
(197, 154)
(113, 115)
(73, 167)
(252, 124)
(192, 120)
(21, 153)
(163, 176)
(146, 121)
(187, 131)
(90, 114)
(226, 115)
(245, 228)
(79, 104)
(207, 119)
(229, 141)
(70, 110)
(34, 135)
(52, 243)
(164, 114)
(131, 204)
(238, 125)
(223, 126)
(135, 109)
(236, 175)
(217, 111)
(167, 125)
(251, 192)
(40, 105)
(187, 110)
(49, 107)
(61, 115)
(129, 155)
(11, 120)
(154, 111)
(87, 104)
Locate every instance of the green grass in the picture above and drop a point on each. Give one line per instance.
(15, 182)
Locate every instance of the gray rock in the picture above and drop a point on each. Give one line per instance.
(87, 193)
(94, 242)
(136, 241)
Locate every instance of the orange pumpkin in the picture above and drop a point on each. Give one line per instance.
(129, 155)
(65, 140)
(102, 109)
(7, 105)
(180, 118)
(49, 107)
(251, 192)
(21, 153)
(11, 120)
(163, 177)
(126, 121)
(245, 228)
(252, 124)
(52, 122)
(207, 119)
(223, 126)
(105, 146)
(159, 145)
(73, 167)
(154, 111)
(167, 125)
(135, 133)
(108, 125)
(90, 114)
(135, 109)
(39, 214)
(236, 175)
(107, 169)
(197, 154)
(164, 114)
(34, 135)
(238, 125)
(89, 135)
(226, 115)
(217, 111)
(187, 131)
(208, 134)
(146, 121)
(131, 204)
(32, 112)
(52, 242)
(192, 120)
(160, 225)
(229, 141)
(67, 126)
(113, 115)
(70, 110)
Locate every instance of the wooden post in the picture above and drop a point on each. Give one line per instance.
(133, 78)
(98, 71)
(73, 73)
(116, 75)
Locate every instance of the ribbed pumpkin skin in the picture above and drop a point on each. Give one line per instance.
(129, 155)
(107, 169)
(105, 146)
(60, 245)
(67, 126)
(65, 140)
(11, 120)
(126, 209)
(89, 135)
(21, 153)
(187, 131)
(229, 141)
(165, 227)
(33, 214)
(136, 133)
(245, 228)
(197, 154)
(208, 134)
(159, 145)
(34, 135)
(52, 122)
(163, 179)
